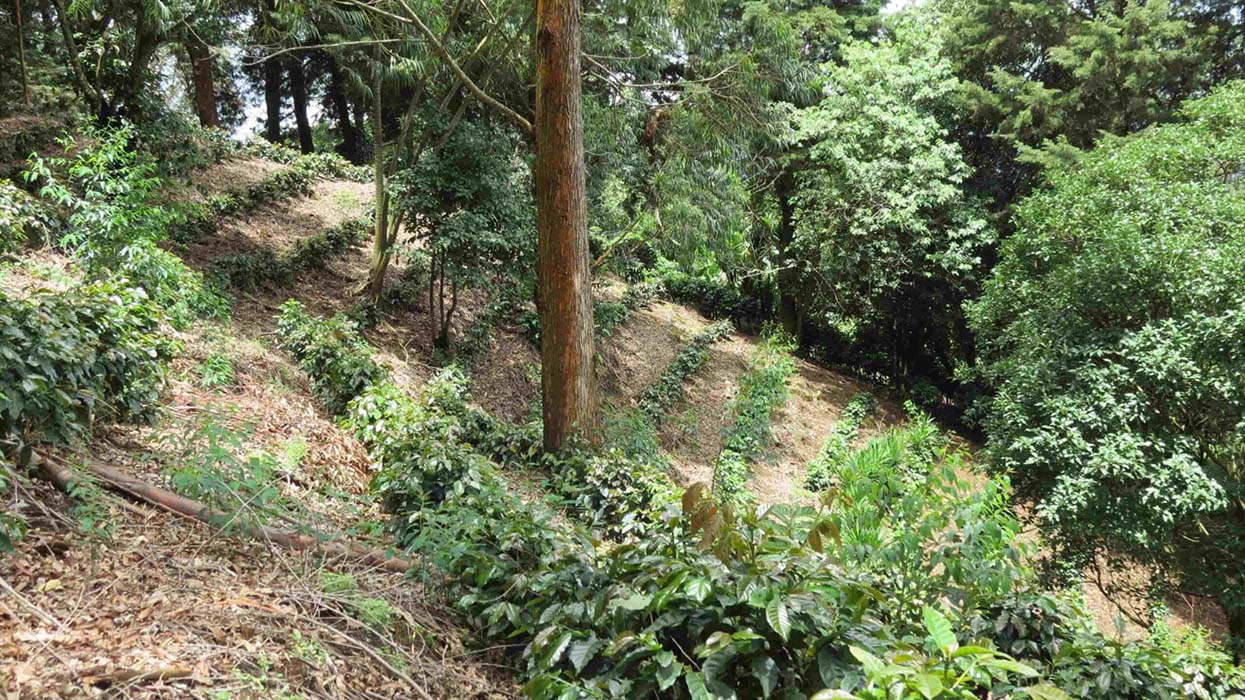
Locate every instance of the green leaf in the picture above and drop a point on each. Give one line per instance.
(1013, 666)
(696, 686)
(929, 685)
(1046, 691)
(698, 589)
(581, 652)
(779, 618)
(766, 672)
(668, 675)
(871, 663)
(939, 629)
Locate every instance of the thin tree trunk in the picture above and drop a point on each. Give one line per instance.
(564, 286)
(381, 239)
(21, 51)
(298, 90)
(788, 277)
(205, 88)
(87, 90)
(146, 41)
(272, 85)
(341, 109)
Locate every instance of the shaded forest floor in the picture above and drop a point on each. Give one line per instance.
(144, 590)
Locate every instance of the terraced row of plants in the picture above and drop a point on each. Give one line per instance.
(839, 443)
(762, 390)
(267, 265)
(96, 350)
(832, 601)
(657, 399)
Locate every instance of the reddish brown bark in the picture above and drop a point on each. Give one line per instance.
(568, 376)
(204, 86)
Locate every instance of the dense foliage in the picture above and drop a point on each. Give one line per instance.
(68, 358)
(701, 602)
(885, 242)
(1113, 333)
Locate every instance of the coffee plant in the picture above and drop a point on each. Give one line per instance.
(837, 446)
(762, 390)
(668, 389)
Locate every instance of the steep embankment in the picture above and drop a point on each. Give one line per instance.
(104, 595)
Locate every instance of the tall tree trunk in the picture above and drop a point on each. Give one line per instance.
(564, 286)
(272, 84)
(788, 277)
(341, 109)
(146, 41)
(298, 90)
(201, 74)
(272, 100)
(21, 51)
(381, 239)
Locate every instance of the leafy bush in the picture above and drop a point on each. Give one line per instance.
(658, 398)
(112, 225)
(762, 390)
(1111, 333)
(20, 217)
(838, 445)
(331, 352)
(69, 358)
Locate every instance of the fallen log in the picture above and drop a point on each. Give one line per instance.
(63, 476)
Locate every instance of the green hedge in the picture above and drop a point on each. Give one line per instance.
(253, 269)
(331, 352)
(761, 391)
(838, 445)
(70, 358)
(663, 393)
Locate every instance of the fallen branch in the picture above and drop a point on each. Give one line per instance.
(133, 675)
(64, 476)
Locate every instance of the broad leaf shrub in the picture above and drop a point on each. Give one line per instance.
(668, 389)
(785, 602)
(70, 358)
(838, 445)
(831, 601)
(21, 217)
(331, 352)
(112, 225)
(1112, 334)
(762, 390)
